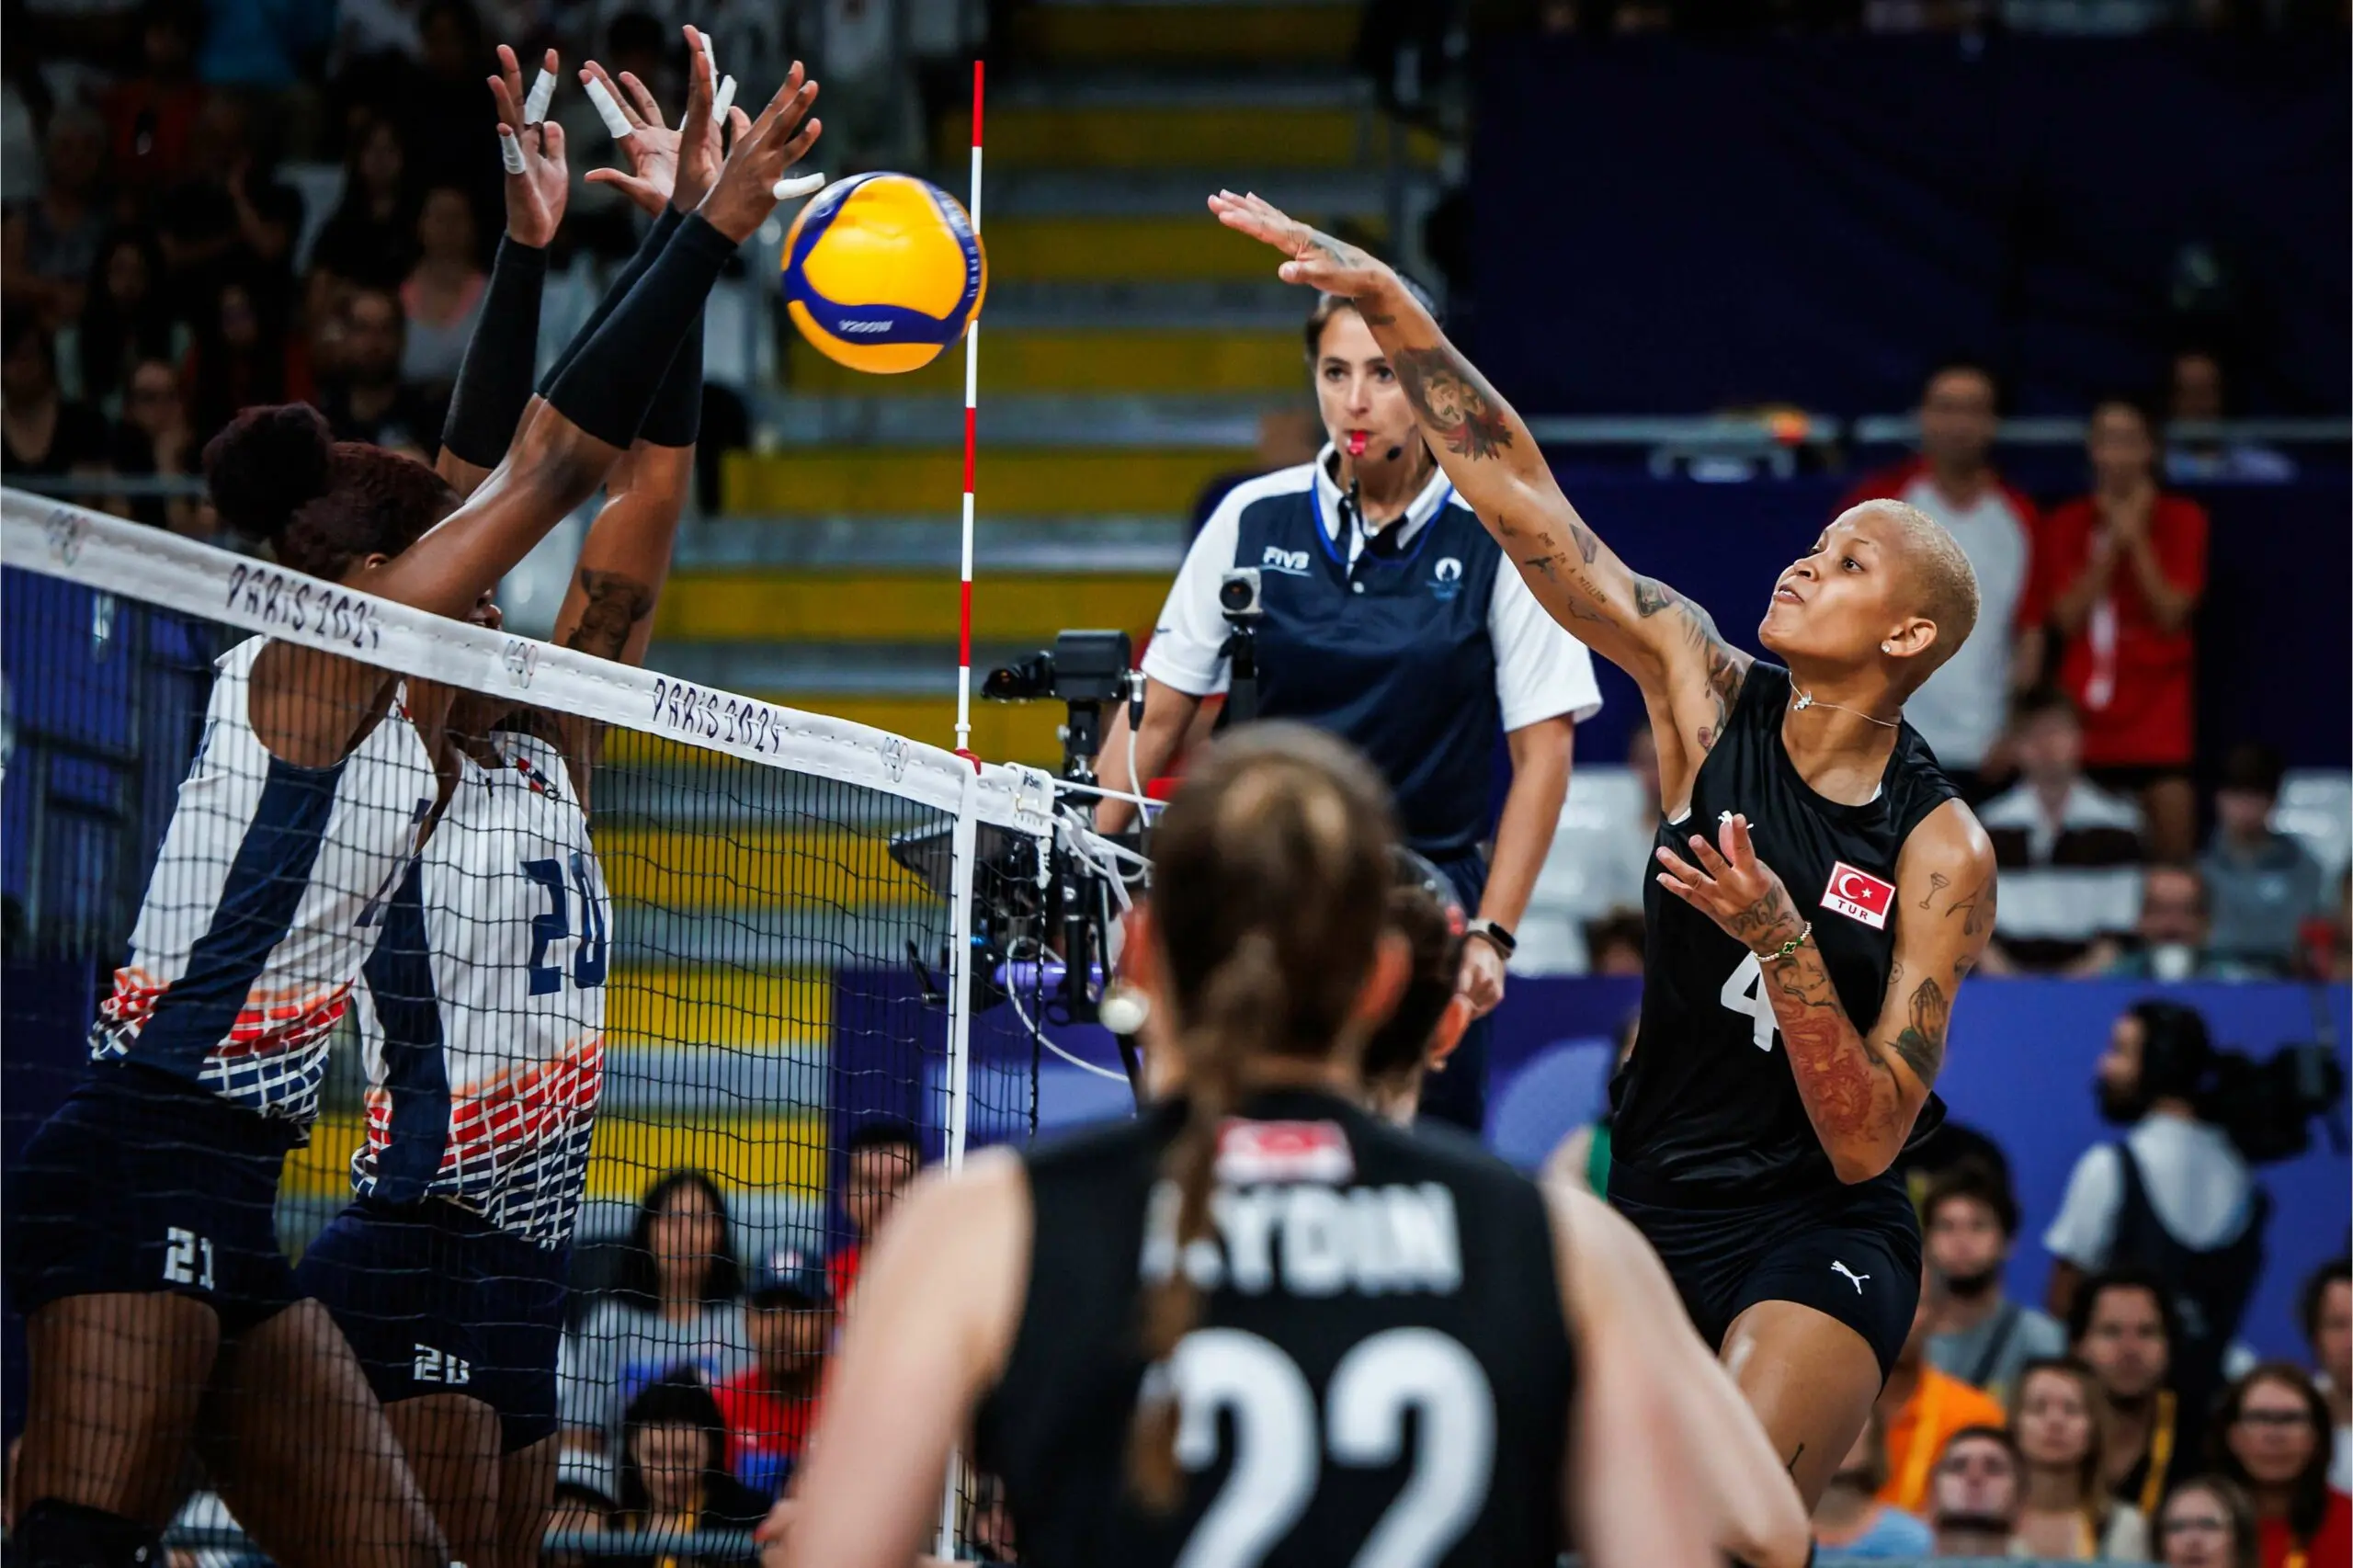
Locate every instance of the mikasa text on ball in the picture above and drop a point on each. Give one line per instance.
(883, 271)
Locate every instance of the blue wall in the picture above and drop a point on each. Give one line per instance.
(1661, 225)
(2019, 1069)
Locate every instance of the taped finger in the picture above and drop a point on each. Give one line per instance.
(510, 151)
(725, 101)
(535, 108)
(607, 111)
(798, 185)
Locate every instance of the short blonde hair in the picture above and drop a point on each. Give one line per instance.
(1944, 584)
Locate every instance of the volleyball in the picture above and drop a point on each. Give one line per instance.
(883, 271)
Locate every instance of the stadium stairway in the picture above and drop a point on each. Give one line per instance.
(1129, 347)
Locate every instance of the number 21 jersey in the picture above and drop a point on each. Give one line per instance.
(1707, 1109)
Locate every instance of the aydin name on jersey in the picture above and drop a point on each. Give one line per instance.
(1311, 1240)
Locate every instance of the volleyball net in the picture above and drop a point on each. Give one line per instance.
(747, 1007)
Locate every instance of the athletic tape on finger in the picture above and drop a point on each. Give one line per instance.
(726, 98)
(799, 185)
(510, 151)
(607, 111)
(535, 108)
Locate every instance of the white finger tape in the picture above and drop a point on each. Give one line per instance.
(724, 101)
(607, 111)
(510, 151)
(799, 185)
(535, 108)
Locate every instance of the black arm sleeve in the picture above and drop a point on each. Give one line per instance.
(657, 237)
(675, 418)
(610, 384)
(495, 382)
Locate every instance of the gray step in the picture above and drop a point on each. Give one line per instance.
(1119, 87)
(1026, 420)
(999, 544)
(1213, 306)
(1107, 193)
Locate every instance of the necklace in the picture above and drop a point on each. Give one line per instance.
(1806, 699)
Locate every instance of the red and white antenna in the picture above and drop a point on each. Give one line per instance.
(972, 437)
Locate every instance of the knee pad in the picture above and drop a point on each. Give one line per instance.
(67, 1535)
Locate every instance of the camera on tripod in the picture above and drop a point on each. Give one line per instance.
(1084, 670)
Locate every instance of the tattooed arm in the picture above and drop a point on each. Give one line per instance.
(1690, 677)
(1862, 1087)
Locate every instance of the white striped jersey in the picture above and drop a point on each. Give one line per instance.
(484, 1035)
(267, 898)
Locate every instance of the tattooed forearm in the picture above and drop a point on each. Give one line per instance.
(615, 604)
(1453, 401)
(1921, 1042)
(1651, 595)
(1847, 1080)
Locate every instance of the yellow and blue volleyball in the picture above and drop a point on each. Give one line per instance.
(883, 271)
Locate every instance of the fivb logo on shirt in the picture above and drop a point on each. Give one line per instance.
(1858, 895)
(1292, 562)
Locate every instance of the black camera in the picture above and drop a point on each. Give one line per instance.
(1084, 669)
(1237, 594)
(2267, 1106)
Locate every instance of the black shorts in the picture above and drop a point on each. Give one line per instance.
(141, 1182)
(1852, 1252)
(435, 1300)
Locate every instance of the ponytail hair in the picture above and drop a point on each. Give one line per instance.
(277, 476)
(1271, 872)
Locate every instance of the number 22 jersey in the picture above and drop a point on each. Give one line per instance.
(484, 1035)
(1707, 1109)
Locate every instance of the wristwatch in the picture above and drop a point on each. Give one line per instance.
(1495, 932)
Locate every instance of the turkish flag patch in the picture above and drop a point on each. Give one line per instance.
(1858, 895)
(1251, 1153)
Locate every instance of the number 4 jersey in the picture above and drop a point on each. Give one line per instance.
(484, 1035)
(1707, 1109)
(1380, 1372)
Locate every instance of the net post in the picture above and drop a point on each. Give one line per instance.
(971, 409)
(964, 841)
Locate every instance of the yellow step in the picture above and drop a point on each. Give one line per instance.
(1020, 360)
(1170, 34)
(736, 864)
(781, 1153)
(730, 1006)
(876, 606)
(1002, 731)
(892, 483)
(1152, 137)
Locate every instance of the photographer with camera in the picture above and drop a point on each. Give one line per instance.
(2173, 1198)
(1358, 594)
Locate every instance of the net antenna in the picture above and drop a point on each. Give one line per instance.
(972, 437)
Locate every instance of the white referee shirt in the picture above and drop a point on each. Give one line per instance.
(1542, 672)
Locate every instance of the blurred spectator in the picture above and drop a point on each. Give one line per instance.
(40, 433)
(674, 1470)
(1615, 944)
(448, 118)
(598, 217)
(124, 319)
(771, 1406)
(229, 218)
(49, 244)
(364, 397)
(883, 1157)
(2174, 1197)
(1979, 1488)
(2061, 1421)
(2197, 400)
(2206, 1522)
(2270, 1435)
(1922, 1407)
(2325, 1310)
(2122, 1328)
(442, 297)
(243, 356)
(1951, 1145)
(155, 441)
(371, 29)
(2069, 851)
(264, 45)
(2260, 884)
(1968, 1221)
(584, 1504)
(2119, 574)
(369, 240)
(2173, 939)
(675, 1302)
(151, 116)
(1850, 1520)
(1960, 709)
(1581, 1159)
(876, 100)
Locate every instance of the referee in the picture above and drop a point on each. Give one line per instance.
(1389, 617)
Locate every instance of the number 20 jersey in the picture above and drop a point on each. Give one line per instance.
(1380, 1372)
(485, 1032)
(1707, 1111)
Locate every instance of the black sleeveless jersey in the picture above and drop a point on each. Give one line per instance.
(1707, 1106)
(1381, 1371)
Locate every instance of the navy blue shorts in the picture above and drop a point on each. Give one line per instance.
(1852, 1252)
(142, 1182)
(436, 1299)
